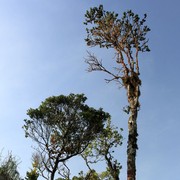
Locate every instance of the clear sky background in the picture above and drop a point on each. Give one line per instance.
(42, 53)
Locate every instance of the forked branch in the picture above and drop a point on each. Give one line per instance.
(96, 65)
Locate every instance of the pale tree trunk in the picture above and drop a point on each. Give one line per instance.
(133, 94)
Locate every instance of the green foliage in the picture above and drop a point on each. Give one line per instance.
(32, 175)
(103, 148)
(93, 175)
(106, 30)
(8, 168)
(127, 36)
(105, 141)
(63, 126)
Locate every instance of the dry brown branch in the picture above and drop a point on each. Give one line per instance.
(96, 65)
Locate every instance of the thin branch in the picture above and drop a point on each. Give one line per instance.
(87, 162)
(96, 65)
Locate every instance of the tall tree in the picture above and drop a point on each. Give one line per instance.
(62, 126)
(127, 36)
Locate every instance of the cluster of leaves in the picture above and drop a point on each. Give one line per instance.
(32, 175)
(92, 175)
(63, 127)
(126, 35)
(8, 168)
(109, 31)
(67, 117)
(102, 149)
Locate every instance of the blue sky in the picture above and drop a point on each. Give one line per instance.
(42, 53)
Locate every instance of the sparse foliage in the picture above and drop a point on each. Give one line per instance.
(102, 149)
(127, 36)
(9, 168)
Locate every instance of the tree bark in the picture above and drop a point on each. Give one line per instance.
(133, 94)
(132, 146)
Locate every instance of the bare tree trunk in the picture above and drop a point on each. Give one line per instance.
(132, 146)
(133, 94)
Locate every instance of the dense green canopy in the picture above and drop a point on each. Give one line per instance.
(63, 126)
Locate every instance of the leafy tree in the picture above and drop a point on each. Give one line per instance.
(127, 36)
(62, 126)
(8, 168)
(102, 149)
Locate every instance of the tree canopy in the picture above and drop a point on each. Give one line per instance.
(62, 126)
(126, 35)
